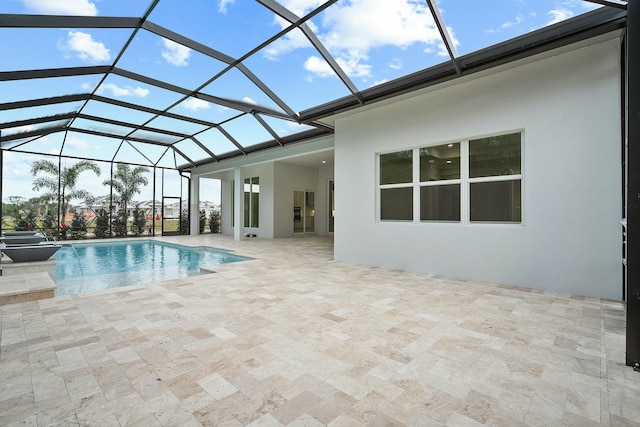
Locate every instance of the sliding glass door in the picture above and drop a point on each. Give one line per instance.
(303, 211)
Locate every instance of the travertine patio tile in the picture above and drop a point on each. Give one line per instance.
(295, 407)
(293, 338)
(266, 420)
(217, 386)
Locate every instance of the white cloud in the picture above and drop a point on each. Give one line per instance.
(62, 7)
(175, 53)
(124, 91)
(291, 41)
(85, 47)
(249, 100)
(222, 5)
(559, 15)
(301, 7)
(442, 49)
(395, 64)
(17, 165)
(77, 143)
(354, 65)
(318, 66)
(351, 30)
(367, 24)
(516, 21)
(195, 104)
(350, 65)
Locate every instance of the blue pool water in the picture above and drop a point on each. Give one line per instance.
(88, 267)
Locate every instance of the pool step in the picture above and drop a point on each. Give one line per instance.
(26, 287)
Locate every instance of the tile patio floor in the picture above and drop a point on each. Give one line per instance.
(293, 338)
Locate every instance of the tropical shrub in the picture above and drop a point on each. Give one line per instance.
(78, 226)
(214, 222)
(184, 222)
(139, 221)
(27, 221)
(102, 224)
(119, 225)
(202, 221)
(49, 223)
(64, 231)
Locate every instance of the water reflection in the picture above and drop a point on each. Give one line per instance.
(114, 264)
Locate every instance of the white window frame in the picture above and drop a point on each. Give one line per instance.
(459, 181)
(411, 184)
(464, 181)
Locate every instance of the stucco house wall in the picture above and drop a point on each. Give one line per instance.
(279, 177)
(289, 178)
(567, 106)
(265, 171)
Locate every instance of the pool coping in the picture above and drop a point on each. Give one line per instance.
(26, 287)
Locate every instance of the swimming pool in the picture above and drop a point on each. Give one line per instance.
(85, 267)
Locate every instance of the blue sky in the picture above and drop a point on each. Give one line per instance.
(373, 41)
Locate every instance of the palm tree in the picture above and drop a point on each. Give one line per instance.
(67, 180)
(127, 182)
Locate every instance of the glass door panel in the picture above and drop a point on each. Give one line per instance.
(298, 213)
(310, 212)
(304, 212)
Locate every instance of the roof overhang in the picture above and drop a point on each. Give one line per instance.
(581, 28)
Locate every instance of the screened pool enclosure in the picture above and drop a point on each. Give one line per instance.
(99, 90)
(169, 85)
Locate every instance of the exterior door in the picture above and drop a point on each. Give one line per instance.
(303, 212)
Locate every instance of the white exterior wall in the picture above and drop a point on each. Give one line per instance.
(287, 179)
(265, 172)
(226, 197)
(325, 174)
(570, 237)
(279, 186)
(273, 216)
(266, 219)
